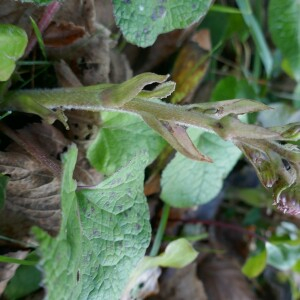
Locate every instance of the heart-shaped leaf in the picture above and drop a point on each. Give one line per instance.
(13, 41)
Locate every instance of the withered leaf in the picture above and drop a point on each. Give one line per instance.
(32, 196)
(191, 65)
(223, 280)
(62, 34)
(178, 284)
(32, 192)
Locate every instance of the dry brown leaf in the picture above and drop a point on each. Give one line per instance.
(74, 11)
(181, 284)
(165, 45)
(191, 65)
(32, 192)
(120, 70)
(223, 280)
(152, 185)
(15, 12)
(105, 15)
(89, 56)
(62, 34)
(45, 134)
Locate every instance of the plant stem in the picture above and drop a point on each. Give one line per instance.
(11, 260)
(47, 17)
(161, 230)
(223, 225)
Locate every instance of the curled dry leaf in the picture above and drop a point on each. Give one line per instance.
(191, 65)
(15, 12)
(119, 67)
(223, 280)
(165, 45)
(179, 284)
(62, 34)
(32, 192)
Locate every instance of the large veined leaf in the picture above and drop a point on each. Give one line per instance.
(284, 23)
(104, 233)
(187, 182)
(142, 21)
(120, 138)
(13, 41)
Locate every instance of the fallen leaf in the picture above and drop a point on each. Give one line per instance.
(223, 280)
(32, 192)
(181, 284)
(165, 45)
(14, 12)
(152, 185)
(191, 65)
(62, 34)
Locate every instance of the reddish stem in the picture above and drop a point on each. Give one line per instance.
(44, 22)
(222, 225)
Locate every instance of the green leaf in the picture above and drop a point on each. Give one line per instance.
(282, 255)
(104, 234)
(39, 37)
(281, 114)
(142, 21)
(120, 138)
(12, 260)
(284, 24)
(224, 9)
(231, 25)
(230, 88)
(187, 183)
(255, 264)
(178, 254)
(13, 41)
(257, 197)
(257, 35)
(3, 183)
(25, 281)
